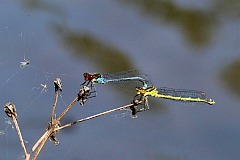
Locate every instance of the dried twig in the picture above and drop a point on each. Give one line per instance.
(39, 141)
(11, 111)
(50, 133)
(132, 106)
(52, 128)
(54, 125)
(58, 87)
(67, 109)
(42, 143)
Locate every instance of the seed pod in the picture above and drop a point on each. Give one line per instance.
(58, 84)
(10, 110)
(83, 95)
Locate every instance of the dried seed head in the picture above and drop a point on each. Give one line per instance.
(58, 84)
(83, 94)
(10, 110)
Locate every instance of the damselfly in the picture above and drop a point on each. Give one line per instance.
(117, 77)
(172, 94)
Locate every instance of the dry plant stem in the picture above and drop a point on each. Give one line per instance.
(67, 109)
(94, 116)
(27, 156)
(54, 106)
(43, 136)
(39, 141)
(42, 143)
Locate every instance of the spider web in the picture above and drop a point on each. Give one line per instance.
(26, 78)
(29, 62)
(40, 88)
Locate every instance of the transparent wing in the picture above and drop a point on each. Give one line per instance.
(136, 78)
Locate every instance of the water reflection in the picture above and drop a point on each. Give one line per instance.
(231, 77)
(195, 24)
(185, 130)
(105, 57)
(228, 7)
(43, 6)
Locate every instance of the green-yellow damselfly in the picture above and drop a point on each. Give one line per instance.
(183, 95)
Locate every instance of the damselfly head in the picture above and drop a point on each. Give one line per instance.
(138, 90)
(141, 90)
(86, 75)
(90, 77)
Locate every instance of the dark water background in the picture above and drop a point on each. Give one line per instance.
(180, 44)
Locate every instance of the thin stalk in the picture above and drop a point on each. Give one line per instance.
(42, 143)
(54, 106)
(36, 145)
(39, 141)
(39, 145)
(67, 109)
(27, 156)
(94, 116)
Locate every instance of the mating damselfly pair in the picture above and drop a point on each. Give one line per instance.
(144, 88)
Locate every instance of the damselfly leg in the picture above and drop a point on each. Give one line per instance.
(144, 100)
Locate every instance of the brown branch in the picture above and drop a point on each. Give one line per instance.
(42, 143)
(27, 156)
(67, 109)
(38, 142)
(132, 105)
(11, 111)
(54, 106)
